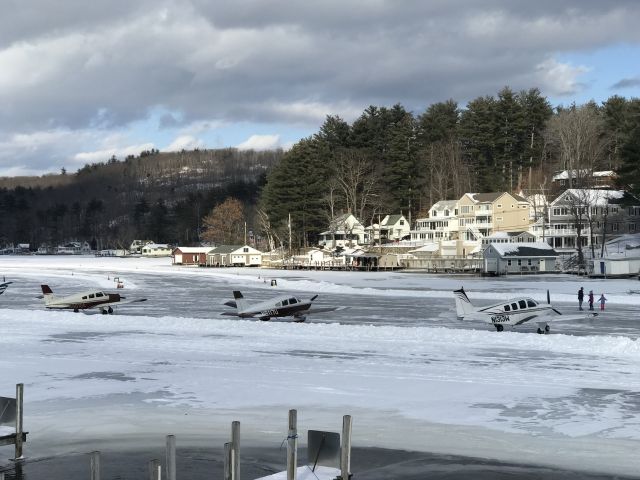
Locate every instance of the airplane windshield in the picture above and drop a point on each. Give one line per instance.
(99, 294)
(292, 301)
(531, 303)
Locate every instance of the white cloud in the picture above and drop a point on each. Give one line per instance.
(106, 154)
(184, 142)
(560, 79)
(261, 142)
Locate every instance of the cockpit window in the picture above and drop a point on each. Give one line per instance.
(531, 303)
(507, 308)
(285, 303)
(292, 301)
(99, 294)
(522, 304)
(84, 298)
(514, 306)
(91, 295)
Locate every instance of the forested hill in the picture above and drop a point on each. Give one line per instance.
(160, 196)
(390, 160)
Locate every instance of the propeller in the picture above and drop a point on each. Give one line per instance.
(313, 298)
(549, 303)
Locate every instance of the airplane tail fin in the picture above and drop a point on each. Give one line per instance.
(47, 294)
(463, 304)
(240, 301)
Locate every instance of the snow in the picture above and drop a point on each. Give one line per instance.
(396, 359)
(513, 248)
(305, 473)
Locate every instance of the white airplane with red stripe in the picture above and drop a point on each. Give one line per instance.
(85, 300)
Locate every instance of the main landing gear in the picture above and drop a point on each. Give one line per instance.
(107, 310)
(499, 328)
(542, 331)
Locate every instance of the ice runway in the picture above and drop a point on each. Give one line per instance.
(396, 359)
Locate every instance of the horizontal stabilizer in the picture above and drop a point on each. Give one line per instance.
(231, 303)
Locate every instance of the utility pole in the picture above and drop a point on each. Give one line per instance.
(289, 234)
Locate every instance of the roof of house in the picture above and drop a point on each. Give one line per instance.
(593, 197)
(442, 204)
(564, 175)
(493, 196)
(534, 249)
(225, 249)
(193, 249)
(392, 219)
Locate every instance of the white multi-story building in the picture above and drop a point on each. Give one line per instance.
(597, 213)
(459, 226)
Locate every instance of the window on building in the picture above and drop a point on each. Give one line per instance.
(632, 227)
(615, 227)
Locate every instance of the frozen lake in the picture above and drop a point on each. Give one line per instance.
(396, 359)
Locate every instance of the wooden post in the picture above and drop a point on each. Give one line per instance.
(171, 457)
(228, 451)
(292, 445)
(235, 450)
(345, 448)
(95, 465)
(19, 418)
(155, 470)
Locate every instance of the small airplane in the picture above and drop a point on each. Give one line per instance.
(3, 286)
(85, 300)
(511, 312)
(281, 306)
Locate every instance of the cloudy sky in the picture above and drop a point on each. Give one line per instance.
(83, 80)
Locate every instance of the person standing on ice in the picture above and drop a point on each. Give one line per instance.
(580, 297)
(602, 301)
(590, 299)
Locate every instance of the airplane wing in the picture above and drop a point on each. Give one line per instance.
(3, 286)
(109, 304)
(230, 314)
(122, 302)
(322, 309)
(570, 318)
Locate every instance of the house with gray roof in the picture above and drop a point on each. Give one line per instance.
(234, 256)
(504, 258)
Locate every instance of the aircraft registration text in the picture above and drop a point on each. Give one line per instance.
(500, 319)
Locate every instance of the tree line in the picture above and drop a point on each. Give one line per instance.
(390, 160)
(157, 196)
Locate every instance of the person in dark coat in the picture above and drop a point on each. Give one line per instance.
(590, 299)
(580, 298)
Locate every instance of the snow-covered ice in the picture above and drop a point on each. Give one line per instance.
(396, 359)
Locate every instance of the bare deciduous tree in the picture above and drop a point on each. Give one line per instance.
(577, 142)
(225, 223)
